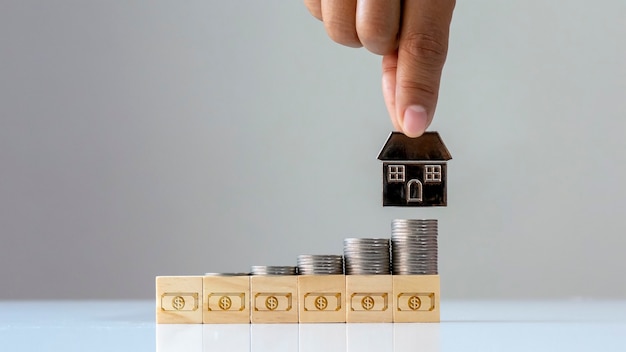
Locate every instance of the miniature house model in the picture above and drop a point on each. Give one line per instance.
(414, 170)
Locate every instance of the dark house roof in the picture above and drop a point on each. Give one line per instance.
(428, 146)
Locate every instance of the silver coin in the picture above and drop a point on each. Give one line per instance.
(414, 246)
(273, 270)
(320, 264)
(367, 256)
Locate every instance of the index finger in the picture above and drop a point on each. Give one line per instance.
(422, 51)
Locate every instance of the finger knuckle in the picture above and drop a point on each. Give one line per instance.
(426, 48)
(421, 88)
(389, 68)
(342, 33)
(378, 38)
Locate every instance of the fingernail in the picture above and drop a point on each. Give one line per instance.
(415, 120)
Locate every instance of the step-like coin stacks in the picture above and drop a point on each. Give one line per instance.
(416, 284)
(274, 294)
(317, 289)
(368, 280)
(226, 298)
(321, 289)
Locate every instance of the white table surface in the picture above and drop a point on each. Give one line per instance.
(466, 326)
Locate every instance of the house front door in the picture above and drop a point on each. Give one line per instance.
(414, 191)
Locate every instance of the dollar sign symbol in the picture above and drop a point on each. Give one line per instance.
(225, 303)
(367, 303)
(271, 302)
(415, 303)
(321, 302)
(178, 303)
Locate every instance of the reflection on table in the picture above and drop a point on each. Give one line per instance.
(298, 337)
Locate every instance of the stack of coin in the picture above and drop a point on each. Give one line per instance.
(414, 247)
(367, 256)
(273, 270)
(309, 264)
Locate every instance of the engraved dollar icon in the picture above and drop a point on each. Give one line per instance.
(271, 302)
(225, 303)
(414, 302)
(367, 303)
(321, 302)
(178, 303)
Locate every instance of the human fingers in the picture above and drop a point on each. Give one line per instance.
(390, 66)
(314, 7)
(377, 24)
(422, 50)
(339, 20)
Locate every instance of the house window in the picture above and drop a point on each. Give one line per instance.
(433, 173)
(395, 173)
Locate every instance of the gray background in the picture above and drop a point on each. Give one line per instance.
(155, 138)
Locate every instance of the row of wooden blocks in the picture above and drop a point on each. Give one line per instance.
(297, 299)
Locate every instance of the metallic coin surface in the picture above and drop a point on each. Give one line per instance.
(273, 270)
(320, 264)
(367, 256)
(414, 247)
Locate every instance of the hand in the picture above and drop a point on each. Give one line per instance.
(412, 36)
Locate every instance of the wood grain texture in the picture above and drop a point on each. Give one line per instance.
(226, 300)
(274, 299)
(369, 299)
(416, 298)
(322, 298)
(179, 299)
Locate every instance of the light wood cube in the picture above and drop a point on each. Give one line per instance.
(322, 298)
(226, 300)
(369, 299)
(416, 298)
(274, 299)
(178, 299)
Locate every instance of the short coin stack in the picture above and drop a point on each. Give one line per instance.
(414, 247)
(367, 256)
(320, 264)
(273, 270)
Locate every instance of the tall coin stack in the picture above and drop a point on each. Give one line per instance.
(367, 256)
(414, 247)
(324, 264)
(273, 270)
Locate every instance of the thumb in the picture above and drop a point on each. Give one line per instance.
(422, 50)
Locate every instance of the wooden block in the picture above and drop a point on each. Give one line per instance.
(274, 299)
(322, 298)
(416, 298)
(369, 299)
(226, 299)
(178, 299)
